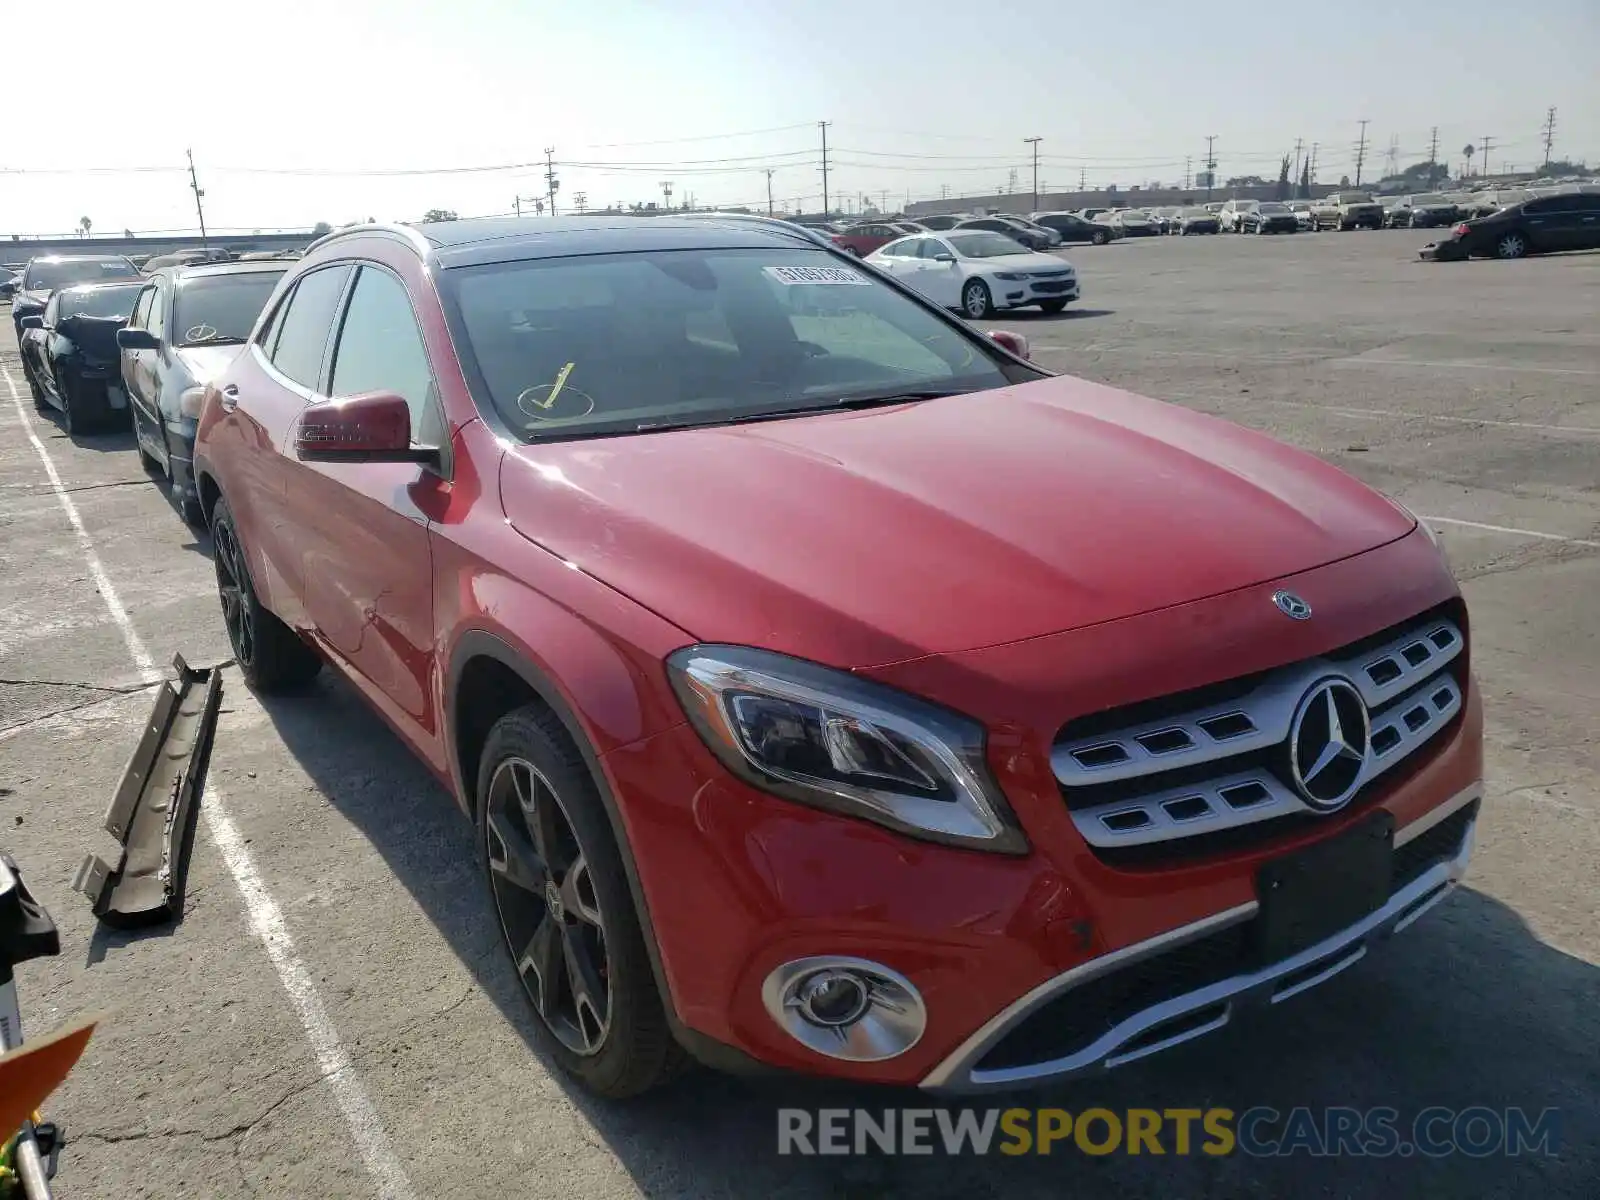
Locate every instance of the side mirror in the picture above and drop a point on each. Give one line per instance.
(944, 258)
(1013, 342)
(375, 427)
(32, 321)
(137, 339)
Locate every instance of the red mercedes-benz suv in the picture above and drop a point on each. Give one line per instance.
(832, 688)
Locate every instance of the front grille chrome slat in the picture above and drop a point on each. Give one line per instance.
(1379, 675)
(1403, 683)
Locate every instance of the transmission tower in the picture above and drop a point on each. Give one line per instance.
(1391, 157)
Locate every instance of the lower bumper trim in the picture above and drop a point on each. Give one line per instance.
(1185, 1017)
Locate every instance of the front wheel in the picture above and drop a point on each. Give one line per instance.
(976, 301)
(271, 656)
(1511, 245)
(565, 911)
(1100, 239)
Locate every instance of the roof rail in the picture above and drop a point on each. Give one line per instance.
(406, 233)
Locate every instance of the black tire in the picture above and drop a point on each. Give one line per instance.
(543, 834)
(976, 302)
(1511, 244)
(192, 512)
(40, 402)
(271, 656)
(1099, 238)
(1051, 307)
(84, 405)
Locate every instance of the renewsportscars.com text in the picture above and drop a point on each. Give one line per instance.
(1262, 1132)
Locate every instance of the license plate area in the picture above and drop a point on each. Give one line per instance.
(1315, 892)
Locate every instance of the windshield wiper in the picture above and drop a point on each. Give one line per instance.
(219, 340)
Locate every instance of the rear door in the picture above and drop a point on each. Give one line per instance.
(1552, 223)
(139, 367)
(360, 528)
(1587, 207)
(248, 434)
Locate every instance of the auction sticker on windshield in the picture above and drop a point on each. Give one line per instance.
(793, 275)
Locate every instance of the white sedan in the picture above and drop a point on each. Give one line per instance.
(978, 272)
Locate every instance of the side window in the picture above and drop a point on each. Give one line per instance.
(304, 323)
(933, 247)
(141, 309)
(1550, 204)
(269, 329)
(380, 350)
(156, 318)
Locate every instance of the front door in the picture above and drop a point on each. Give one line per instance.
(365, 561)
(939, 281)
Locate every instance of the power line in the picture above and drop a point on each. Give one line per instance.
(705, 137)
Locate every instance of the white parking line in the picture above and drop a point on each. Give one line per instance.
(1456, 365)
(1342, 410)
(1513, 532)
(266, 918)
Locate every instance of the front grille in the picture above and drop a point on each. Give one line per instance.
(1216, 759)
(1072, 1021)
(1053, 286)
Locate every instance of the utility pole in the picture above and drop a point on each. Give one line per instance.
(883, 200)
(1549, 133)
(1034, 142)
(944, 191)
(1361, 151)
(551, 183)
(1392, 157)
(823, 125)
(1298, 142)
(580, 200)
(518, 201)
(1484, 153)
(1188, 173)
(1315, 146)
(1211, 164)
(769, 189)
(1433, 157)
(199, 194)
(666, 193)
(1083, 178)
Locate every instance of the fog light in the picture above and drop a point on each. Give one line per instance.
(846, 1008)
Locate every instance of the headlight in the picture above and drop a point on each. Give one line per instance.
(189, 402)
(831, 740)
(1010, 275)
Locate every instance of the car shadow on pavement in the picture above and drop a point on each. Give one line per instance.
(1466, 1009)
(1034, 317)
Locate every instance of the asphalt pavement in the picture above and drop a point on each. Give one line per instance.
(333, 1017)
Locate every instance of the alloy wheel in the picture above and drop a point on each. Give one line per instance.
(549, 912)
(232, 587)
(974, 301)
(1512, 246)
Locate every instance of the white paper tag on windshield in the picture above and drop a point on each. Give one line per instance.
(793, 275)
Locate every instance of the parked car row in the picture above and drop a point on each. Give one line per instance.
(581, 516)
(110, 345)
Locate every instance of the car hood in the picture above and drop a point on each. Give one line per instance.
(1019, 262)
(205, 363)
(863, 538)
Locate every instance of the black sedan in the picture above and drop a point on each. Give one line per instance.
(69, 354)
(1013, 230)
(1073, 228)
(1425, 211)
(1269, 217)
(44, 275)
(189, 323)
(1566, 221)
(1196, 221)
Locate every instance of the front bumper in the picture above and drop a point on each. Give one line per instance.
(1174, 1015)
(1450, 251)
(1019, 295)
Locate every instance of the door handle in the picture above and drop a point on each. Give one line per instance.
(229, 397)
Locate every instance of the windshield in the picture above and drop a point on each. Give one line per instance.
(1133, 215)
(221, 308)
(1354, 198)
(985, 245)
(47, 276)
(613, 343)
(1271, 206)
(115, 300)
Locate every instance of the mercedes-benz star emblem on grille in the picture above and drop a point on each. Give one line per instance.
(1328, 744)
(1291, 605)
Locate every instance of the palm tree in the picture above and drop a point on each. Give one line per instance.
(84, 225)
(1469, 150)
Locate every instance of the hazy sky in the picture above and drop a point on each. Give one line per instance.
(921, 96)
